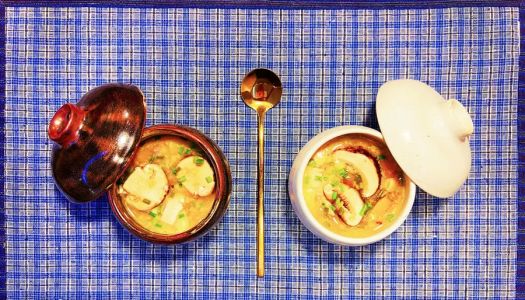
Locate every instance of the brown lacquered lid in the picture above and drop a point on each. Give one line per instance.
(96, 139)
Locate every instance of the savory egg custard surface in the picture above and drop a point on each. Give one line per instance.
(169, 187)
(353, 186)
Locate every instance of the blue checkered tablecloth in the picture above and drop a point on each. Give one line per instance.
(189, 63)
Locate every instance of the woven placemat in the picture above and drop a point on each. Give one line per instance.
(189, 63)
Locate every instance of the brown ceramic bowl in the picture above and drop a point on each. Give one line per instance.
(224, 186)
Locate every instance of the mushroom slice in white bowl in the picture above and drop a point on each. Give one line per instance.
(145, 187)
(365, 166)
(196, 175)
(348, 204)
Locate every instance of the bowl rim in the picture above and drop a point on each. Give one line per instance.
(309, 150)
(220, 166)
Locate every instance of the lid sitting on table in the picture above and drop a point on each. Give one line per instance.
(427, 135)
(96, 139)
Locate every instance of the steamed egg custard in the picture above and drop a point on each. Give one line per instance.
(353, 186)
(169, 187)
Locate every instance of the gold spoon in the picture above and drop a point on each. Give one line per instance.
(261, 90)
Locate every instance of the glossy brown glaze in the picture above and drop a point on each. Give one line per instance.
(96, 139)
(64, 128)
(222, 172)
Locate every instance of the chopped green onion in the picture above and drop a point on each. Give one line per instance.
(158, 225)
(181, 150)
(365, 209)
(188, 151)
(154, 157)
(381, 157)
(318, 178)
(328, 206)
(181, 215)
(390, 217)
(175, 170)
(343, 173)
(334, 195)
(209, 179)
(155, 212)
(181, 179)
(146, 201)
(198, 161)
(338, 203)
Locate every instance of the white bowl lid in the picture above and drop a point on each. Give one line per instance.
(427, 135)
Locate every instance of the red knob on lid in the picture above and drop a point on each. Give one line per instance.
(65, 124)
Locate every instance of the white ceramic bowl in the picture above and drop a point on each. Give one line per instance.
(295, 189)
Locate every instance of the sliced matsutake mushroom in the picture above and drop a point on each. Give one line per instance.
(340, 209)
(196, 175)
(354, 203)
(351, 204)
(145, 187)
(366, 168)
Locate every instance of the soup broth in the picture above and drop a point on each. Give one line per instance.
(353, 186)
(169, 187)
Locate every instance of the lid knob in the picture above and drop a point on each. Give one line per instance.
(65, 124)
(460, 122)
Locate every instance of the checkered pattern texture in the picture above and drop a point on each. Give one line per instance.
(189, 63)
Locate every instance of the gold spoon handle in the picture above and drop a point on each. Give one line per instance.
(260, 194)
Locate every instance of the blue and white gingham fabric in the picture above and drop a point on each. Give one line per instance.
(189, 63)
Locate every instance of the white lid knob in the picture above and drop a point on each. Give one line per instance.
(460, 121)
